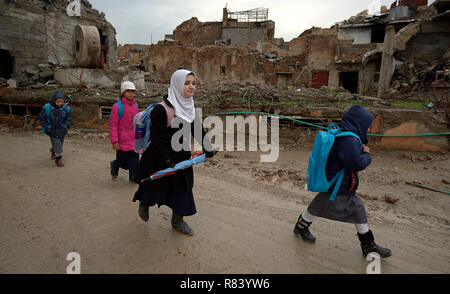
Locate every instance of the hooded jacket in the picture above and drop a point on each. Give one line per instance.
(121, 131)
(59, 119)
(346, 151)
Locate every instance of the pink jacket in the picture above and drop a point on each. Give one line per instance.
(122, 131)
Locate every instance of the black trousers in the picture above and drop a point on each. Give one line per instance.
(128, 160)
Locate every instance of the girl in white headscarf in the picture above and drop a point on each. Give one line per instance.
(174, 190)
(181, 92)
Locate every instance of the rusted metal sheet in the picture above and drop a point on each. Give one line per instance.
(319, 79)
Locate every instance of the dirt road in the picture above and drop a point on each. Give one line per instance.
(246, 212)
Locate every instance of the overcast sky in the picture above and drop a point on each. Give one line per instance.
(143, 21)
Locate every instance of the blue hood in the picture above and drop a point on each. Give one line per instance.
(58, 94)
(357, 119)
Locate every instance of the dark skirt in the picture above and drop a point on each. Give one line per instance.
(181, 203)
(344, 208)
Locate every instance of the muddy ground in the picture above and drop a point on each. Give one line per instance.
(246, 213)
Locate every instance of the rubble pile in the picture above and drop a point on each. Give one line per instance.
(420, 76)
(41, 74)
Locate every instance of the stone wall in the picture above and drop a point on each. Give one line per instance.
(37, 32)
(21, 34)
(216, 64)
(196, 34)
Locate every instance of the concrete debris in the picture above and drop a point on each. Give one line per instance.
(391, 199)
(12, 84)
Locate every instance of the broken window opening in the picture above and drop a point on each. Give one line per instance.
(222, 70)
(153, 67)
(377, 35)
(349, 81)
(78, 46)
(102, 37)
(284, 79)
(6, 64)
(34, 110)
(4, 109)
(104, 112)
(18, 110)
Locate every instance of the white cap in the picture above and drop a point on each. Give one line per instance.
(127, 86)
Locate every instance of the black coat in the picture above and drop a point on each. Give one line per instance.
(160, 155)
(346, 151)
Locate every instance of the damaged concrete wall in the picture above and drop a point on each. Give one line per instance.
(430, 42)
(316, 50)
(196, 34)
(36, 32)
(238, 64)
(210, 63)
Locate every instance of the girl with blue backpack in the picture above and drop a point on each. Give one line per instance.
(348, 155)
(121, 131)
(55, 118)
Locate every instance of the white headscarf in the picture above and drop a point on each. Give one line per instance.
(184, 106)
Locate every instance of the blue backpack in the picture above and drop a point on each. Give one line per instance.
(47, 114)
(317, 178)
(142, 134)
(120, 105)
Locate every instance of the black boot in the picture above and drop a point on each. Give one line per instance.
(179, 224)
(368, 245)
(143, 212)
(302, 228)
(131, 179)
(114, 170)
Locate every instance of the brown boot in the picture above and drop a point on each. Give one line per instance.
(53, 154)
(59, 162)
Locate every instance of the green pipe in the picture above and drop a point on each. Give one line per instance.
(321, 127)
(429, 188)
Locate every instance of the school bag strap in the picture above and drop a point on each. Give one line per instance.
(120, 108)
(142, 136)
(340, 174)
(47, 115)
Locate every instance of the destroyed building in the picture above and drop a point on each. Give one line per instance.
(236, 28)
(240, 48)
(341, 64)
(55, 32)
(46, 45)
(369, 50)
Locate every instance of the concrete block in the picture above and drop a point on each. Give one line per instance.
(71, 77)
(137, 78)
(12, 83)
